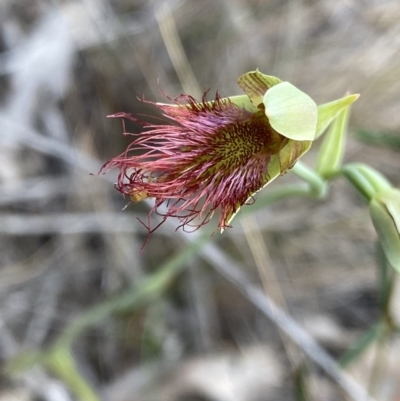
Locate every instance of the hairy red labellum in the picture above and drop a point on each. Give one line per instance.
(210, 156)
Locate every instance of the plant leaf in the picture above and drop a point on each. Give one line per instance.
(385, 214)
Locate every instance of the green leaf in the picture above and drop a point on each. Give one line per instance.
(391, 198)
(386, 285)
(385, 214)
(331, 152)
(328, 111)
(291, 112)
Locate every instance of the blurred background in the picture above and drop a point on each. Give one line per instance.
(84, 315)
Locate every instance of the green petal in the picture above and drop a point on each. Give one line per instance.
(328, 111)
(330, 154)
(292, 152)
(243, 101)
(291, 112)
(254, 84)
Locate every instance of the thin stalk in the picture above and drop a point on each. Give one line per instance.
(318, 186)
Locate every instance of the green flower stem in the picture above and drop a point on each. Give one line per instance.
(377, 181)
(366, 180)
(318, 186)
(62, 363)
(359, 182)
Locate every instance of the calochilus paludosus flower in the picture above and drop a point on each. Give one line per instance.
(213, 156)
